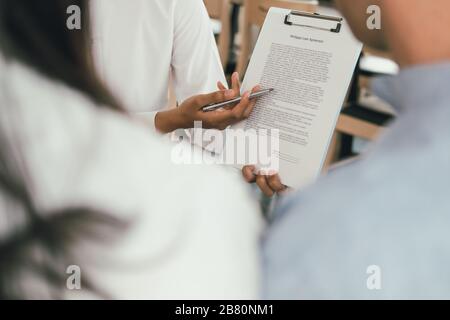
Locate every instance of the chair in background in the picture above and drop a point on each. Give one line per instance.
(255, 14)
(356, 119)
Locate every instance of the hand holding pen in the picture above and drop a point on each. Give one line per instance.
(232, 102)
(191, 110)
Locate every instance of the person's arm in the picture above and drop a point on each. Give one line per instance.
(189, 111)
(196, 69)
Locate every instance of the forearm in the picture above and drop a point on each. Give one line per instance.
(168, 121)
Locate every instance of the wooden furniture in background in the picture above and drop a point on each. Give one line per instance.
(221, 10)
(358, 123)
(358, 120)
(357, 127)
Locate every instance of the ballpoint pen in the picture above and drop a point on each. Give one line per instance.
(215, 106)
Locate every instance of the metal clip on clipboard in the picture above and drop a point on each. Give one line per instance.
(337, 29)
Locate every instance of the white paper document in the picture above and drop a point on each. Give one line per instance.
(310, 69)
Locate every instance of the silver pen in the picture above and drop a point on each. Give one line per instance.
(215, 106)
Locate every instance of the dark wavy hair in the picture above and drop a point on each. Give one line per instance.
(35, 33)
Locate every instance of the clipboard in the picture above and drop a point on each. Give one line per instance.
(292, 14)
(309, 60)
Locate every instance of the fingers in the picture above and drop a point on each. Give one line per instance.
(245, 107)
(249, 174)
(221, 86)
(275, 184)
(261, 181)
(236, 84)
(219, 119)
(227, 116)
(252, 104)
(239, 110)
(215, 97)
(269, 184)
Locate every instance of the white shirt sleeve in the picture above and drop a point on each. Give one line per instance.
(195, 61)
(196, 65)
(142, 46)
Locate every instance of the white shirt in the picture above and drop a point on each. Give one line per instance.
(139, 43)
(194, 229)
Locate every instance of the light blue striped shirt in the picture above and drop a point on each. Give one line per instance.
(390, 210)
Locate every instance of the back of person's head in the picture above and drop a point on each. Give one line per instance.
(34, 245)
(36, 33)
(414, 31)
